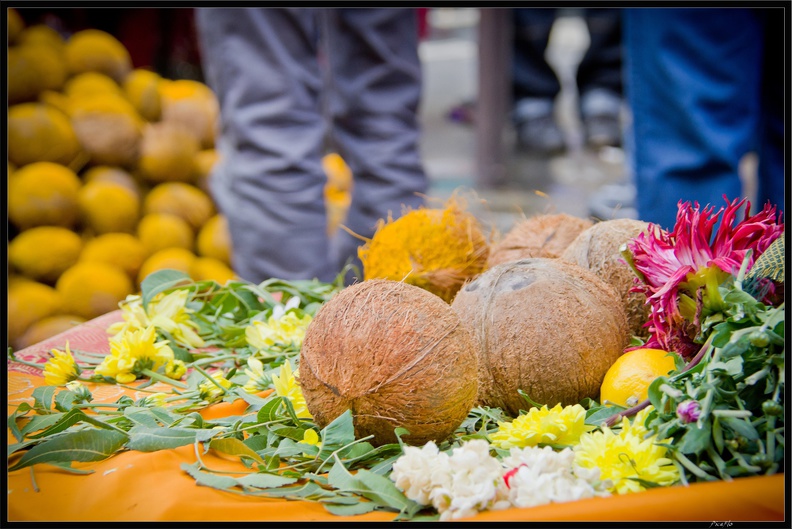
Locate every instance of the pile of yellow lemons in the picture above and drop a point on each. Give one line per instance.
(108, 170)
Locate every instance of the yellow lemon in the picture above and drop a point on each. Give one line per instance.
(90, 289)
(93, 50)
(28, 303)
(40, 133)
(158, 231)
(214, 239)
(43, 194)
(109, 207)
(44, 252)
(627, 381)
(173, 258)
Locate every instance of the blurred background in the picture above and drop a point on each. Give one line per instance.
(88, 218)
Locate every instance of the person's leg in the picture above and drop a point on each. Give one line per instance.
(535, 85)
(691, 81)
(375, 89)
(771, 134)
(599, 78)
(269, 183)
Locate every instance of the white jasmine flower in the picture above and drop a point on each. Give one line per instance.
(476, 483)
(537, 476)
(419, 470)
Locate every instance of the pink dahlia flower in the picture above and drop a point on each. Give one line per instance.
(679, 271)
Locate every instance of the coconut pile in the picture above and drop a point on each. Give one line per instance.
(545, 312)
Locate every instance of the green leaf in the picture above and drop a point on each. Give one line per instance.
(263, 480)
(141, 416)
(655, 395)
(85, 445)
(64, 400)
(338, 433)
(235, 447)
(160, 281)
(269, 411)
(740, 427)
(597, 416)
(65, 421)
(145, 439)
(39, 422)
(695, 440)
(42, 397)
(207, 479)
(353, 509)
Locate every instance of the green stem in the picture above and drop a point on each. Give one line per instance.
(211, 379)
(162, 378)
(211, 360)
(691, 467)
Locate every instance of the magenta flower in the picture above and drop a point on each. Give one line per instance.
(688, 411)
(679, 271)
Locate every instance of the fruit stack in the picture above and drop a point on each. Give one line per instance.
(107, 179)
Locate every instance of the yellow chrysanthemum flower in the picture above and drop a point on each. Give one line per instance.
(168, 313)
(287, 330)
(61, 368)
(209, 391)
(133, 351)
(543, 426)
(626, 457)
(257, 378)
(286, 386)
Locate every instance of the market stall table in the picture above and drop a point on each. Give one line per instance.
(139, 486)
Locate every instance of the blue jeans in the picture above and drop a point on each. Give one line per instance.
(290, 82)
(703, 92)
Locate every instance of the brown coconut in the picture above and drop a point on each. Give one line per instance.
(598, 249)
(395, 355)
(545, 235)
(544, 326)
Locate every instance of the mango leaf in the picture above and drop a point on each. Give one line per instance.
(338, 433)
(42, 397)
(264, 480)
(68, 468)
(379, 489)
(160, 281)
(142, 416)
(207, 479)
(145, 439)
(268, 411)
(40, 422)
(235, 447)
(86, 445)
(64, 400)
(359, 507)
(16, 447)
(65, 421)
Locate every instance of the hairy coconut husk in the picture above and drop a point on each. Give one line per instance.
(396, 356)
(543, 235)
(597, 249)
(434, 249)
(544, 326)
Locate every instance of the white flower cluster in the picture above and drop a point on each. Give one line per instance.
(459, 485)
(471, 480)
(542, 475)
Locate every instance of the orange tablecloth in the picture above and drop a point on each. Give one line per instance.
(137, 486)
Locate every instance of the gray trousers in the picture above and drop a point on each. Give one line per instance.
(289, 81)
